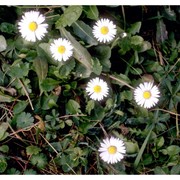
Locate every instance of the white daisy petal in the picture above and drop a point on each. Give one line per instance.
(112, 150)
(104, 30)
(31, 27)
(61, 49)
(146, 95)
(97, 89)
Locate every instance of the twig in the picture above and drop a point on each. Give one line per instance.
(49, 143)
(119, 80)
(72, 115)
(167, 112)
(105, 133)
(26, 94)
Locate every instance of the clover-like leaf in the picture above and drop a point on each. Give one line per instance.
(24, 120)
(30, 150)
(39, 160)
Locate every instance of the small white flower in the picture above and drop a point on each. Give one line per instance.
(61, 49)
(112, 150)
(97, 89)
(31, 26)
(104, 30)
(146, 95)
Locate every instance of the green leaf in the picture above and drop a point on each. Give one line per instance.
(160, 142)
(97, 67)
(3, 44)
(126, 95)
(73, 107)
(19, 69)
(135, 28)
(140, 153)
(39, 160)
(103, 53)
(159, 170)
(3, 129)
(84, 127)
(47, 102)
(65, 69)
(136, 40)
(161, 33)
(49, 84)
(136, 71)
(24, 120)
(144, 46)
(70, 15)
(169, 14)
(19, 107)
(7, 28)
(172, 150)
(131, 147)
(30, 150)
(121, 79)
(30, 172)
(91, 12)
(152, 66)
(84, 31)
(69, 122)
(125, 45)
(175, 169)
(5, 98)
(147, 159)
(45, 53)
(90, 106)
(12, 171)
(81, 71)
(3, 164)
(41, 68)
(4, 148)
(80, 53)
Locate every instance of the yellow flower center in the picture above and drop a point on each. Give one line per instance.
(112, 149)
(33, 26)
(61, 49)
(97, 89)
(104, 30)
(146, 94)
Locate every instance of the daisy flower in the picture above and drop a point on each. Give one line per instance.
(61, 49)
(146, 95)
(97, 89)
(112, 150)
(104, 30)
(31, 27)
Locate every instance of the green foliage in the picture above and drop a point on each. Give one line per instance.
(39, 160)
(30, 150)
(23, 120)
(48, 122)
(73, 107)
(70, 15)
(3, 164)
(3, 129)
(3, 43)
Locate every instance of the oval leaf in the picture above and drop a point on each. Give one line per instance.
(91, 12)
(80, 53)
(84, 31)
(41, 68)
(73, 107)
(3, 43)
(71, 15)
